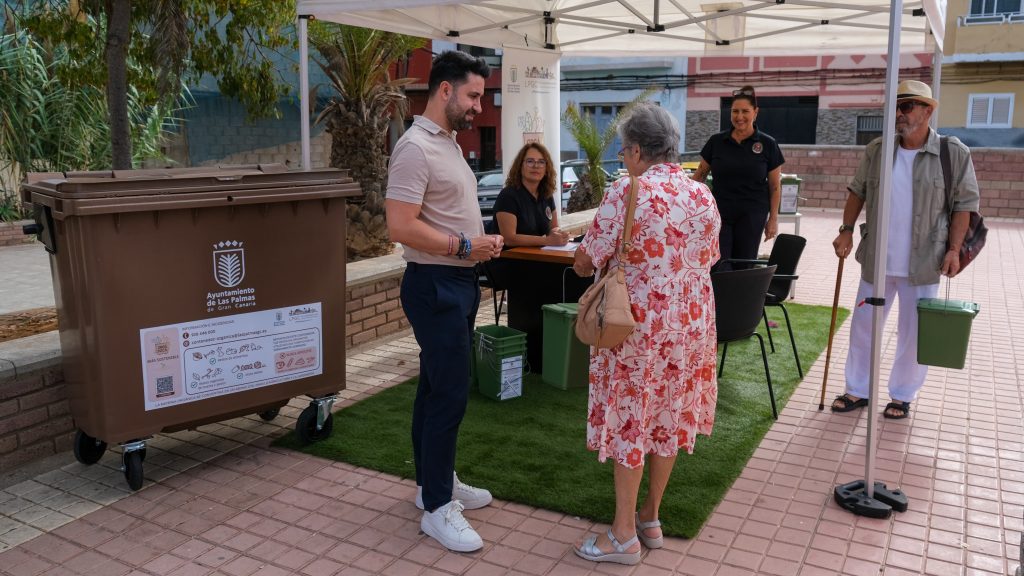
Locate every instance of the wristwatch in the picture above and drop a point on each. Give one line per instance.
(845, 228)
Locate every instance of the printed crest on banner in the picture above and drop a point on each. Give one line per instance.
(757, 148)
(228, 263)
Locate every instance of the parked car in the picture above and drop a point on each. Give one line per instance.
(488, 185)
(572, 171)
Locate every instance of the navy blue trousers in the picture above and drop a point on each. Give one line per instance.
(440, 303)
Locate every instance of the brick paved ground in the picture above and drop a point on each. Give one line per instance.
(221, 501)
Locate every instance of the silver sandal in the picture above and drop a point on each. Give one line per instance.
(590, 551)
(649, 542)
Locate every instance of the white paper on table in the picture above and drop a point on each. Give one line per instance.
(567, 246)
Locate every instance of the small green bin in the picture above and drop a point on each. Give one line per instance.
(790, 200)
(566, 359)
(499, 355)
(943, 331)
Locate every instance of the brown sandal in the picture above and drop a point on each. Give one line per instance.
(847, 403)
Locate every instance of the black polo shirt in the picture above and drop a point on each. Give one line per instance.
(533, 217)
(739, 170)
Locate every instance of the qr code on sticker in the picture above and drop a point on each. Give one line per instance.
(164, 386)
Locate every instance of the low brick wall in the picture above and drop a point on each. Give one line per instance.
(827, 170)
(35, 419)
(11, 234)
(373, 311)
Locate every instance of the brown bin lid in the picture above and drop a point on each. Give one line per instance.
(104, 192)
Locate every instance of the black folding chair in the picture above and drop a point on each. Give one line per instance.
(739, 306)
(785, 256)
(492, 278)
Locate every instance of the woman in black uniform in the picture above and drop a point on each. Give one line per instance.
(525, 209)
(746, 170)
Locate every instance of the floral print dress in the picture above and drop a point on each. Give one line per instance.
(657, 390)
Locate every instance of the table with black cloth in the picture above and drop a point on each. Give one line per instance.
(534, 277)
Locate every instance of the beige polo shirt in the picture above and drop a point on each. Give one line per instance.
(427, 168)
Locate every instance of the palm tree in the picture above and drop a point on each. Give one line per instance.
(357, 62)
(594, 142)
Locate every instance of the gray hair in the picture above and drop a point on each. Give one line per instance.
(654, 129)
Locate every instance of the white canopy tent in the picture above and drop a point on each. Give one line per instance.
(665, 27)
(672, 28)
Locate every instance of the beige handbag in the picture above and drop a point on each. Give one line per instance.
(605, 315)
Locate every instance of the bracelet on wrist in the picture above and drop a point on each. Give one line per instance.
(465, 247)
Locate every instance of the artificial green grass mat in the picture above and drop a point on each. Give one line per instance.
(532, 449)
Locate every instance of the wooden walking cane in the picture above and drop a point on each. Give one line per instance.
(831, 331)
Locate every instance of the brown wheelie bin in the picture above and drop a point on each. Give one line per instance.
(189, 296)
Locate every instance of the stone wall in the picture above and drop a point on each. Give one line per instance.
(827, 170)
(288, 153)
(838, 126)
(701, 125)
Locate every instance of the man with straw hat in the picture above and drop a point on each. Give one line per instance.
(923, 241)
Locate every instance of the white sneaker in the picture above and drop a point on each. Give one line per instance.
(448, 526)
(471, 498)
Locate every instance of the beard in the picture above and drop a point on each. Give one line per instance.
(908, 128)
(458, 119)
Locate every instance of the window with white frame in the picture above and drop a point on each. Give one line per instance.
(993, 7)
(990, 111)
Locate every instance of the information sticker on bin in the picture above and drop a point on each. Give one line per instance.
(193, 361)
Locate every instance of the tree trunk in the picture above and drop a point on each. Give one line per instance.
(119, 13)
(359, 147)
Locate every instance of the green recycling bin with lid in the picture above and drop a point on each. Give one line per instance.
(498, 361)
(566, 360)
(789, 203)
(944, 331)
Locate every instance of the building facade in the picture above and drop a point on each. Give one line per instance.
(983, 73)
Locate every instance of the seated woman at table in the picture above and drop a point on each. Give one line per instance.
(653, 394)
(525, 209)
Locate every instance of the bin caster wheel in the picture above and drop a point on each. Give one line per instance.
(305, 426)
(133, 469)
(269, 415)
(88, 450)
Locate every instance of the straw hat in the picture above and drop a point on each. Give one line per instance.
(914, 90)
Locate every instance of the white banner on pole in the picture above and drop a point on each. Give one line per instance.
(529, 102)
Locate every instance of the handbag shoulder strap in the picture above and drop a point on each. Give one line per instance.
(627, 229)
(947, 171)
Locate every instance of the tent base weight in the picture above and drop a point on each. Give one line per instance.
(853, 497)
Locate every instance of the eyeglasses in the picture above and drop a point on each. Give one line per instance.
(743, 92)
(535, 162)
(907, 105)
(622, 153)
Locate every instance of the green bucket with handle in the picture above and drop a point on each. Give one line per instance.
(944, 331)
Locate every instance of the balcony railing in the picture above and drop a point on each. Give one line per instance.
(1007, 18)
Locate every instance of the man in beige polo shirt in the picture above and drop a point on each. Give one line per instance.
(432, 210)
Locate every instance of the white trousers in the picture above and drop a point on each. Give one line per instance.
(907, 376)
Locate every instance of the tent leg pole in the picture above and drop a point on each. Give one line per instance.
(304, 91)
(867, 497)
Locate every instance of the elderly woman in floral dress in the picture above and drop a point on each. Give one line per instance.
(654, 393)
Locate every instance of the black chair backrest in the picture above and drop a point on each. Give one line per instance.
(785, 255)
(739, 301)
(494, 274)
